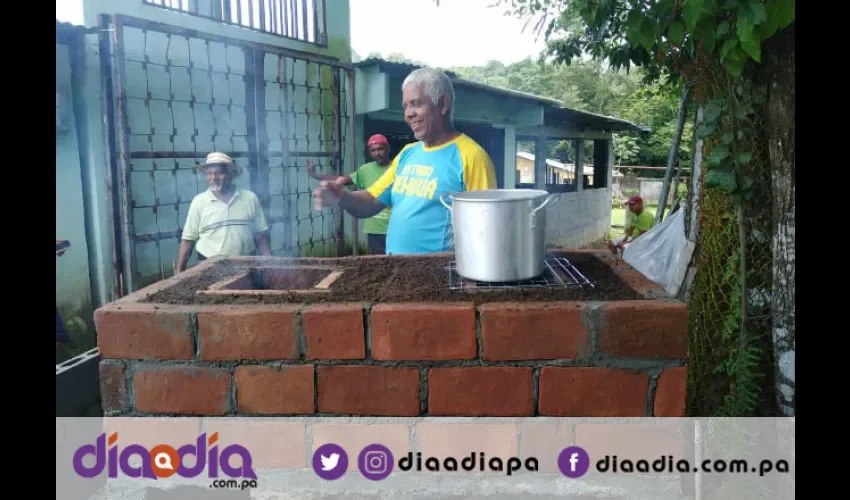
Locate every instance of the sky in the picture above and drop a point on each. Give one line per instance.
(457, 33)
(69, 11)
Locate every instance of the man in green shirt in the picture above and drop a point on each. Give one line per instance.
(375, 227)
(642, 221)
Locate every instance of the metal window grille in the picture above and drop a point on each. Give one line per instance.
(303, 20)
(176, 95)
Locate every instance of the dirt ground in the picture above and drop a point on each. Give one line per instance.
(402, 279)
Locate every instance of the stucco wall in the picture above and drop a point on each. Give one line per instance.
(579, 218)
(73, 287)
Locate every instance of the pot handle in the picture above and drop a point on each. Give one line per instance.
(443, 201)
(555, 197)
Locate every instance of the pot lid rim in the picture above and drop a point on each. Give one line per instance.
(518, 195)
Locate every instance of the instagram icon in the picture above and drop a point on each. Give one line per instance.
(375, 462)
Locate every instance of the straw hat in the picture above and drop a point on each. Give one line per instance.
(223, 160)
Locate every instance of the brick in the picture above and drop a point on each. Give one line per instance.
(631, 442)
(235, 333)
(486, 391)
(182, 390)
(544, 441)
(274, 390)
(113, 386)
(279, 445)
(645, 329)
(423, 331)
(592, 392)
(369, 390)
(459, 440)
(136, 331)
(354, 437)
(524, 331)
(671, 393)
(334, 332)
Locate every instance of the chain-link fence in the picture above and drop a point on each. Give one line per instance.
(731, 353)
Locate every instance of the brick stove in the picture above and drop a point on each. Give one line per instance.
(233, 346)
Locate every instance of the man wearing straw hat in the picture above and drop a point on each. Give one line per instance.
(223, 221)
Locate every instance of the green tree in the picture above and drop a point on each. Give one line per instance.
(737, 57)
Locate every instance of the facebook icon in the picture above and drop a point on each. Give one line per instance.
(573, 462)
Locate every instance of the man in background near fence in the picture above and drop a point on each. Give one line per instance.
(223, 221)
(641, 221)
(375, 227)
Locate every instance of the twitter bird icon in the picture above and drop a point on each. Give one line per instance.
(330, 461)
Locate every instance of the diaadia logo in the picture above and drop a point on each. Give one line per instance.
(162, 461)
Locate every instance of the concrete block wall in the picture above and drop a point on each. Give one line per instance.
(290, 443)
(493, 457)
(591, 359)
(579, 218)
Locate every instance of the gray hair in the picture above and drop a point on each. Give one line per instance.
(437, 84)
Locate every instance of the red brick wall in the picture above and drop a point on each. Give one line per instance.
(519, 359)
(593, 359)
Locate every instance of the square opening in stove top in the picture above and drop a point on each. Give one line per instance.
(271, 280)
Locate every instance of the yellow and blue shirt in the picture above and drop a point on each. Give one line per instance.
(412, 186)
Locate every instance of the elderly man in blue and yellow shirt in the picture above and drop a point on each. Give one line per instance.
(443, 161)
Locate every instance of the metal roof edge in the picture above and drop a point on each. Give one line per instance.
(66, 27)
(552, 104)
(513, 93)
(597, 116)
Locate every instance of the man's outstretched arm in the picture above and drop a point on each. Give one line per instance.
(311, 171)
(360, 204)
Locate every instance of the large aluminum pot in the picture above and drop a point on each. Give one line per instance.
(499, 233)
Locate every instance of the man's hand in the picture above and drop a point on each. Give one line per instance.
(183, 254)
(311, 171)
(329, 193)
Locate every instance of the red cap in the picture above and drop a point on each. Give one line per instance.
(635, 199)
(376, 139)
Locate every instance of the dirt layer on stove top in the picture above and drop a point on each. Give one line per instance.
(400, 279)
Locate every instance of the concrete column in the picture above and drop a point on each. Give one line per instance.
(510, 157)
(579, 149)
(540, 154)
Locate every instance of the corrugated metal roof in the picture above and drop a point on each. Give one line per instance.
(397, 68)
(401, 70)
(586, 119)
(555, 111)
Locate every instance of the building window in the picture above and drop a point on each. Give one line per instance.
(302, 20)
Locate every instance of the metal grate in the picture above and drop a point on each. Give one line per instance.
(557, 272)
